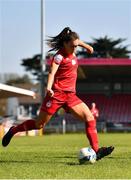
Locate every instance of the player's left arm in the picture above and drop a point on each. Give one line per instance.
(86, 46)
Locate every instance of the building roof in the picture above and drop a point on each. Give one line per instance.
(105, 62)
(101, 61)
(11, 91)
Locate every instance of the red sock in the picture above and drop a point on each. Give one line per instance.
(91, 133)
(25, 126)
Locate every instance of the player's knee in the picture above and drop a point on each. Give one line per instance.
(89, 117)
(39, 124)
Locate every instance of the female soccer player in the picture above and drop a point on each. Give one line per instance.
(61, 91)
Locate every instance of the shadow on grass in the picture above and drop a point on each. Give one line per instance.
(54, 157)
(118, 157)
(44, 160)
(77, 164)
(73, 164)
(64, 157)
(15, 161)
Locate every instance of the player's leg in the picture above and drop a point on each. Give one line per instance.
(48, 108)
(81, 111)
(31, 124)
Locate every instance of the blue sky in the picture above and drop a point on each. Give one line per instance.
(20, 25)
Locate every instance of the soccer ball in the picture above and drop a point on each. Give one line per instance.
(87, 155)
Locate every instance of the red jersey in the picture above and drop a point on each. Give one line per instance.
(66, 75)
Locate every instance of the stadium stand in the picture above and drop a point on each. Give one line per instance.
(116, 108)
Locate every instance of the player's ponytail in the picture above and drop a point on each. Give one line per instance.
(65, 35)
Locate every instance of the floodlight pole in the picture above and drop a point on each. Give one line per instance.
(42, 60)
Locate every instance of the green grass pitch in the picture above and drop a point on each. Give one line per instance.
(55, 157)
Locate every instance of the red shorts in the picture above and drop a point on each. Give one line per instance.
(60, 99)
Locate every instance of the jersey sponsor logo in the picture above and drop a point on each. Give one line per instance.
(73, 61)
(48, 104)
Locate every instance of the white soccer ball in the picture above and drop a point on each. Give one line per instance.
(87, 155)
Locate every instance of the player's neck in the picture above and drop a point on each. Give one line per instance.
(67, 52)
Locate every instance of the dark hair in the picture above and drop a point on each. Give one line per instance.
(65, 35)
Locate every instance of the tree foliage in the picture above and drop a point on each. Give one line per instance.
(19, 80)
(33, 65)
(107, 48)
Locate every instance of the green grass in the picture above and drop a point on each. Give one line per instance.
(55, 157)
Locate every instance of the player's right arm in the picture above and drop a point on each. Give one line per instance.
(53, 70)
(54, 67)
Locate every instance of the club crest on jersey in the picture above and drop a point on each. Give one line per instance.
(48, 104)
(73, 61)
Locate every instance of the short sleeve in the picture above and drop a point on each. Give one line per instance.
(57, 58)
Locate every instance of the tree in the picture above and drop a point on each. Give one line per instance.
(19, 80)
(33, 65)
(106, 48)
